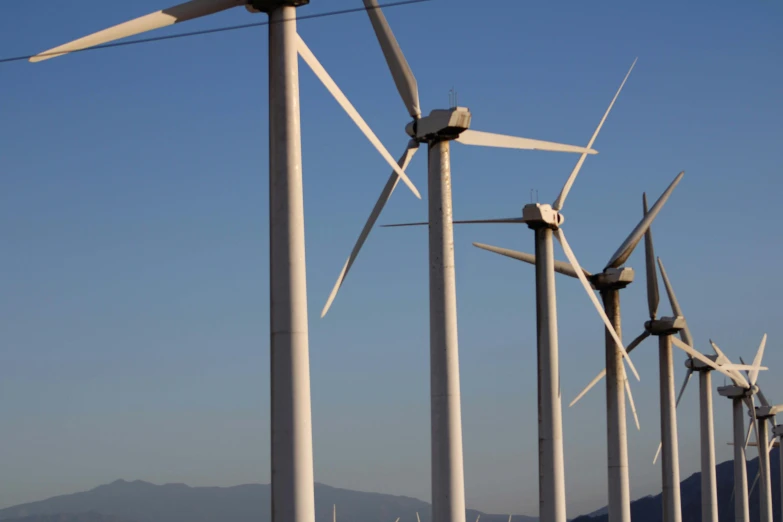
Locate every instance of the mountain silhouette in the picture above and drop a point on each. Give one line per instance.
(649, 509)
(140, 501)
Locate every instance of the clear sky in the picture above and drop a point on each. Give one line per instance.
(133, 217)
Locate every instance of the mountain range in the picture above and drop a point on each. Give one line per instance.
(138, 501)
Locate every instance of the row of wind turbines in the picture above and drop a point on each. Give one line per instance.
(292, 460)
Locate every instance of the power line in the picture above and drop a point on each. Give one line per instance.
(216, 30)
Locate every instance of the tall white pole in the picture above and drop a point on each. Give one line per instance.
(616, 436)
(670, 467)
(551, 472)
(709, 488)
(780, 470)
(448, 482)
(741, 512)
(765, 486)
(291, 424)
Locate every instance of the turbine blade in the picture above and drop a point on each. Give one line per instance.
(558, 204)
(653, 299)
(676, 404)
(747, 436)
(753, 486)
(386, 193)
(398, 65)
(561, 267)
(489, 139)
(696, 355)
(636, 342)
(335, 91)
(628, 246)
(685, 333)
(745, 367)
(754, 373)
(465, 222)
(752, 407)
(172, 15)
(630, 400)
(764, 401)
(586, 284)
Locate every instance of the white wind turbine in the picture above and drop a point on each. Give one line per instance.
(665, 328)
(437, 130)
(546, 221)
(740, 392)
(291, 424)
(609, 282)
(765, 414)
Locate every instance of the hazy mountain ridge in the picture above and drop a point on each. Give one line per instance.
(140, 501)
(68, 517)
(648, 509)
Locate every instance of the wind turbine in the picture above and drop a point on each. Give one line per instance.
(741, 392)
(546, 220)
(291, 421)
(665, 328)
(764, 414)
(609, 282)
(437, 130)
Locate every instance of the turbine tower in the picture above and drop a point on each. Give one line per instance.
(291, 422)
(609, 282)
(546, 221)
(437, 130)
(741, 392)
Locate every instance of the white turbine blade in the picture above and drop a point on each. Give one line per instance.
(334, 512)
(630, 400)
(586, 284)
(754, 373)
(322, 75)
(561, 267)
(152, 21)
(753, 486)
(685, 333)
(376, 212)
(417, 517)
(657, 452)
(558, 204)
(636, 342)
(745, 367)
(653, 298)
(696, 355)
(628, 246)
(752, 407)
(464, 222)
(509, 518)
(764, 401)
(489, 139)
(398, 65)
(737, 379)
(676, 404)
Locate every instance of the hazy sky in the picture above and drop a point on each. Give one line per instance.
(134, 304)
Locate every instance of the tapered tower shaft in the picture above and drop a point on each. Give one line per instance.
(551, 473)
(765, 483)
(616, 435)
(741, 511)
(448, 483)
(670, 469)
(709, 488)
(291, 423)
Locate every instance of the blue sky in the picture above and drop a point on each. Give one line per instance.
(134, 219)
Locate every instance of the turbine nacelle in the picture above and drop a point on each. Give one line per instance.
(665, 325)
(613, 278)
(762, 412)
(697, 365)
(538, 215)
(440, 124)
(777, 431)
(737, 392)
(265, 6)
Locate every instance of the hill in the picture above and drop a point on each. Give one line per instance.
(140, 501)
(648, 509)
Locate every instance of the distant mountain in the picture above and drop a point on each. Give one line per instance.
(78, 517)
(139, 501)
(648, 509)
